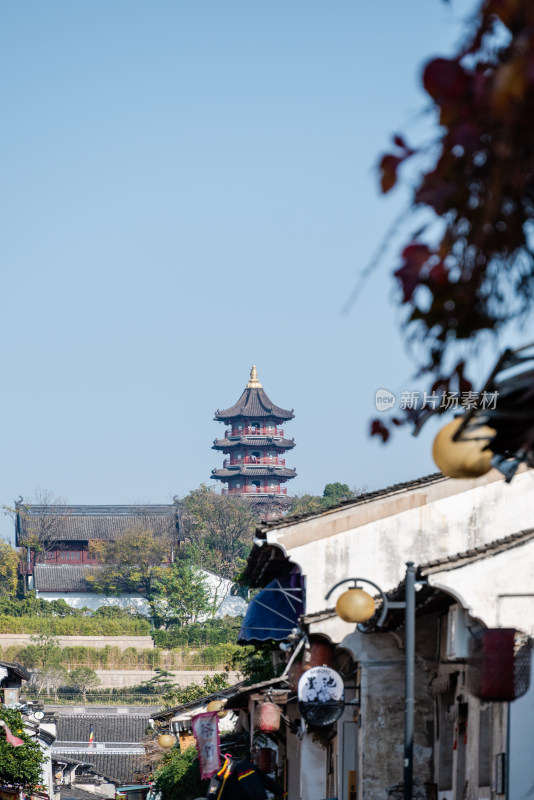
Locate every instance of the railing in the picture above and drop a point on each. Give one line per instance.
(274, 461)
(255, 430)
(257, 490)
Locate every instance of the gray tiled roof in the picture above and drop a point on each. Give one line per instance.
(361, 499)
(120, 767)
(253, 472)
(254, 441)
(63, 578)
(117, 728)
(84, 523)
(253, 404)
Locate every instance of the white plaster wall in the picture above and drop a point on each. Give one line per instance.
(93, 601)
(498, 591)
(220, 588)
(376, 539)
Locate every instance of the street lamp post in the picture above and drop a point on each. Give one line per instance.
(356, 605)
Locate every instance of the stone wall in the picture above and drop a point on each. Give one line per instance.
(118, 679)
(122, 642)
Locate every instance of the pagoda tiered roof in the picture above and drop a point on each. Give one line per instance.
(254, 441)
(253, 472)
(253, 404)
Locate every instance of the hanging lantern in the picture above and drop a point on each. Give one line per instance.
(320, 654)
(265, 759)
(465, 458)
(355, 605)
(166, 741)
(499, 664)
(267, 717)
(217, 705)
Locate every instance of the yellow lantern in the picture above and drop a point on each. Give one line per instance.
(217, 705)
(355, 605)
(166, 741)
(464, 458)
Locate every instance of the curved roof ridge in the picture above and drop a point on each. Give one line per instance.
(254, 403)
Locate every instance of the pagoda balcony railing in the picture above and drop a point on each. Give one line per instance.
(254, 430)
(272, 461)
(256, 490)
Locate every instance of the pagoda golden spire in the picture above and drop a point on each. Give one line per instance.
(254, 382)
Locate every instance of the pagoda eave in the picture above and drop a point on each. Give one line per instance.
(281, 473)
(259, 441)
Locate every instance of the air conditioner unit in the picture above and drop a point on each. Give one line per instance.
(457, 634)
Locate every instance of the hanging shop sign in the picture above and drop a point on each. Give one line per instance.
(321, 696)
(206, 733)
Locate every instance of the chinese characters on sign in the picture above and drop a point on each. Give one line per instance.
(449, 400)
(206, 733)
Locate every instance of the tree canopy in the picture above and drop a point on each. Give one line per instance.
(469, 267)
(219, 530)
(19, 766)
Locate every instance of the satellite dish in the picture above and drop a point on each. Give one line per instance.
(321, 696)
(39, 715)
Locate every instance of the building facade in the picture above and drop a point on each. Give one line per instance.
(56, 538)
(472, 542)
(254, 445)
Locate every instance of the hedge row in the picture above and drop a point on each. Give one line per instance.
(214, 656)
(75, 626)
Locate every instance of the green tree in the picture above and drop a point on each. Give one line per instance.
(43, 652)
(181, 595)
(83, 679)
(219, 529)
(333, 493)
(19, 766)
(210, 685)
(9, 564)
(179, 777)
(134, 562)
(336, 492)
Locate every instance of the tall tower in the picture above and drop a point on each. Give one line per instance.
(254, 446)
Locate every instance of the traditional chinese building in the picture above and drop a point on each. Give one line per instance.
(254, 446)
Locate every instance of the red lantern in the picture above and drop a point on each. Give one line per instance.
(267, 717)
(499, 665)
(265, 759)
(320, 654)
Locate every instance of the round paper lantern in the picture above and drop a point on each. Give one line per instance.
(355, 605)
(267, 717)
(166, 741)
(465, 458)
(217, 705)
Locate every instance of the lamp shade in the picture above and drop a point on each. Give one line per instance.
(166, 741)
(217, 705)
(465, 458)
(355, 605)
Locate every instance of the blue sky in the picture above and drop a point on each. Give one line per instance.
(190, 188)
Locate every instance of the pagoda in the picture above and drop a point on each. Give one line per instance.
(254, 444)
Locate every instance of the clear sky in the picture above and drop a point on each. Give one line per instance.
(189, 188)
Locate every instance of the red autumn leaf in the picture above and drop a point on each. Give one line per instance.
(438, 277)
(445, 81)
(399, 141)
(415, 257)
(379, 429)
(388, 172)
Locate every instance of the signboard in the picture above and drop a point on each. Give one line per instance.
(206, 732)
(321, 696)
